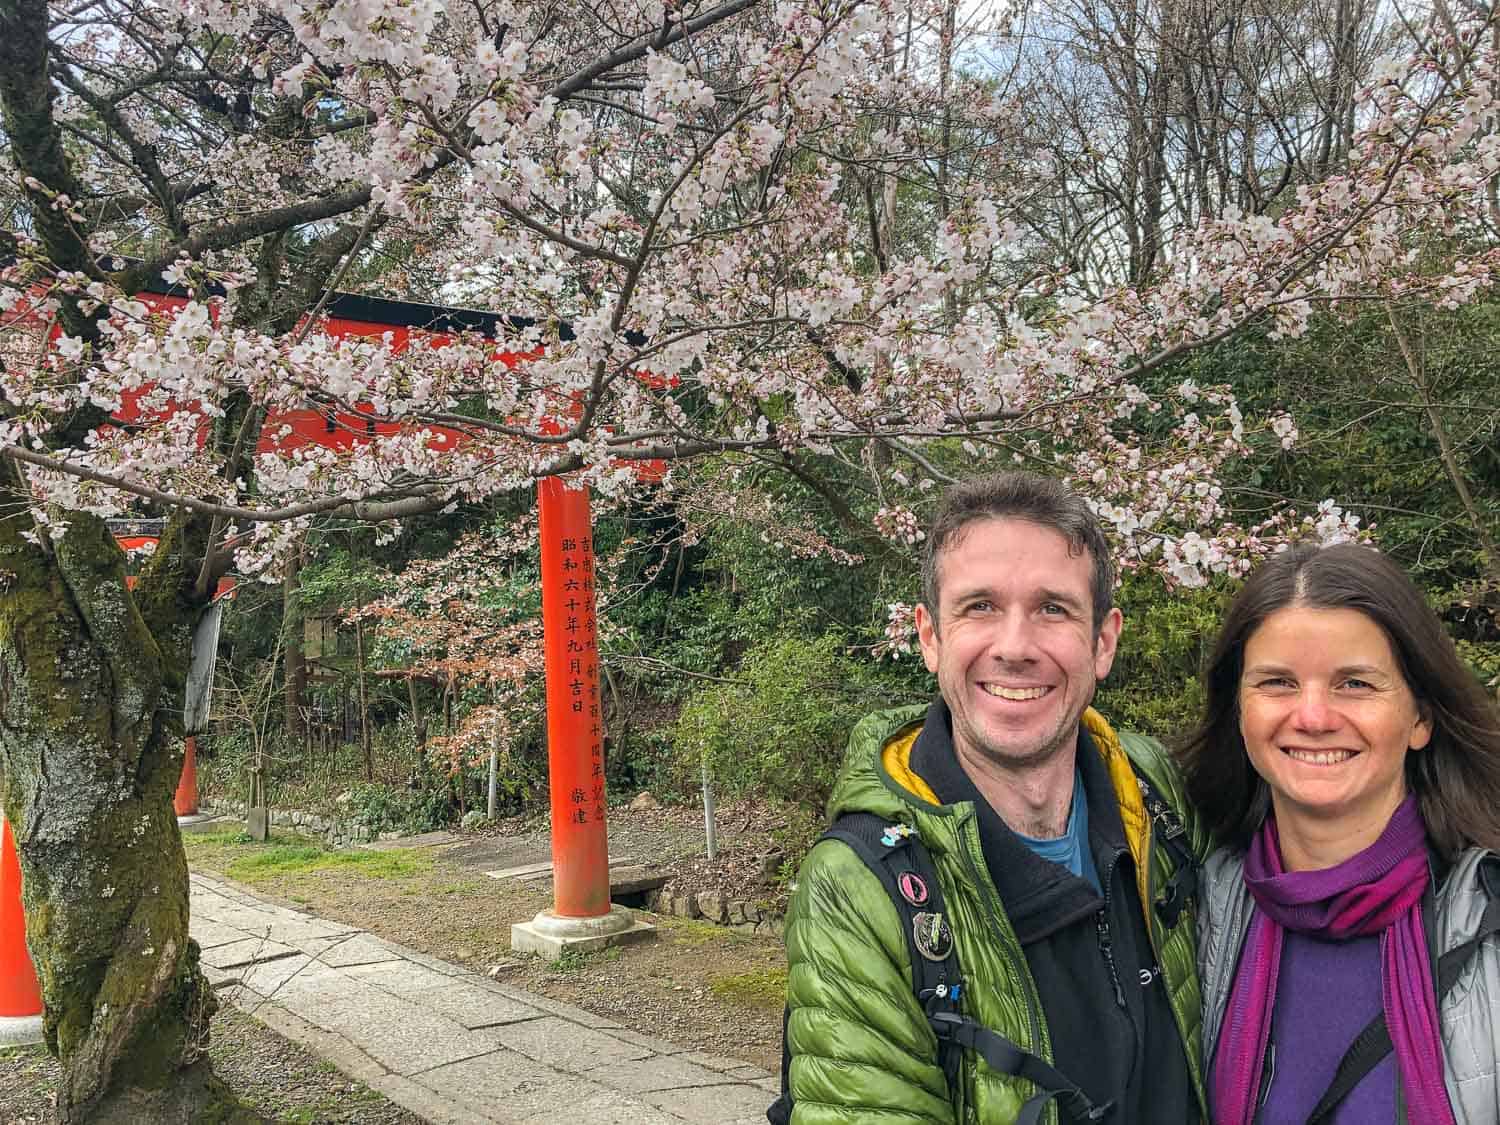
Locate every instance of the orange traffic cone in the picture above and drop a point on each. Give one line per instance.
(186, 799)
(20, 995)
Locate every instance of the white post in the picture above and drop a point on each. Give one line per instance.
(493, 801)
(494, 765)
(710, 829)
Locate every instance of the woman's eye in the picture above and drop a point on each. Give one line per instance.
(1357, 684)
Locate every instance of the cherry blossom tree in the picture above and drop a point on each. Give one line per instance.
(458, 620)
(763, 230)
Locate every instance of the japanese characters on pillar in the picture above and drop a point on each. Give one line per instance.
(575, 728)
(583, 669)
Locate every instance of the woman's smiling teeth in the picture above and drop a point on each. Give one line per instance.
(1019, 694)
(1320, 757)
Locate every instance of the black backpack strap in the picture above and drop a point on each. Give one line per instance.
(1009, 1058)
(1171, 837)
(899, 859)
(1373, 1043)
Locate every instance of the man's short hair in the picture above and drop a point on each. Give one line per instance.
(1019, 495)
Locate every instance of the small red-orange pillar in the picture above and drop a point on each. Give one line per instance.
(185, 801)
(20, 994)
(575, 732)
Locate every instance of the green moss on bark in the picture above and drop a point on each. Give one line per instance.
(91, 762)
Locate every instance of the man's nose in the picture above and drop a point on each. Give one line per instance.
(1012, 640)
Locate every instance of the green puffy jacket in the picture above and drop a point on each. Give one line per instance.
(862, 1050)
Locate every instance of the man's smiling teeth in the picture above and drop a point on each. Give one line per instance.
(1321, 757)
(1019, 694)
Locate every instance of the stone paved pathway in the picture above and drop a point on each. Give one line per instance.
(446, 1043)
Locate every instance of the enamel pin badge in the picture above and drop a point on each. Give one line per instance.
(932, 937)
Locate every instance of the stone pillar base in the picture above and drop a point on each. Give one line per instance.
(20, 1031)
(549, 935)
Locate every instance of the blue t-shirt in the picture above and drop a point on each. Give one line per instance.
(1071, 849)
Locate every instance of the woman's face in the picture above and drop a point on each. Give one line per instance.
(1327, 717)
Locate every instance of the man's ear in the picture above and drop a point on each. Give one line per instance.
(927, 636)
(1106, 640)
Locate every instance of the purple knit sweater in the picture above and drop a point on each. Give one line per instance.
(1326, 993)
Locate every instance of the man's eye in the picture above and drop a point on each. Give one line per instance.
(1054, 609)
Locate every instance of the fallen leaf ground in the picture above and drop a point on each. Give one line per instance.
(274, 1076)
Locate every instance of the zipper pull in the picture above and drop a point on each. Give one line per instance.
(1106, 947)
(1268, 1073)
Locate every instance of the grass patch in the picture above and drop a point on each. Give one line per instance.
(219, 850)
(576, 961)
(214, 849)
(760, 988)
(273, 860)
(331, 1107)
(219, 837)
(239, 856)
(690, 931)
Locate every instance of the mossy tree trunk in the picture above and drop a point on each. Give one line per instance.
(92, 674)
(91, 692)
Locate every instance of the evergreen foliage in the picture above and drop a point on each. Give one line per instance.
(728, 643)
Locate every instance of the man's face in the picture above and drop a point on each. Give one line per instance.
(1013, 647)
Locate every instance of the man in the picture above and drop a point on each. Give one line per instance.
(1030, 808)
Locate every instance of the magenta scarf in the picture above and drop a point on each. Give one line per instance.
(1378, 891)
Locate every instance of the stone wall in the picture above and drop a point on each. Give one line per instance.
(716, 907)
(337, 833)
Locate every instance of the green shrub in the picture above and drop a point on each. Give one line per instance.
(646, 759)
(384, 808)
(1484, 658)
(779, 729)
(1154, 687)
(797, 832)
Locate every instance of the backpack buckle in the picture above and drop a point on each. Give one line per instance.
(1174, 899)
(942, 998)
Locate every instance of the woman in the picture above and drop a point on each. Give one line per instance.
(1350, 765)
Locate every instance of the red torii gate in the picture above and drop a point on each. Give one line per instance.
(582, 914)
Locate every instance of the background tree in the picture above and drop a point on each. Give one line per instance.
(1152, 116)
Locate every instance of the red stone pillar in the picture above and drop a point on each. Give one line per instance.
(20, 994)
(185, 801)
(582, 918)
(575, 732)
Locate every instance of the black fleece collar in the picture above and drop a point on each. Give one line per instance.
(1039, 897)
